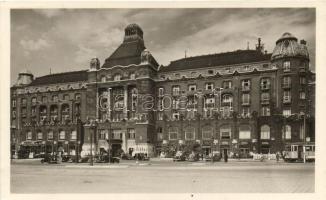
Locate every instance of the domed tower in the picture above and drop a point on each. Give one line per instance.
(25, 77)
(292, 61)
(133, 32)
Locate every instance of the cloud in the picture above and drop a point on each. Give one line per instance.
(49, 13)
(34, 45)
(84, 54)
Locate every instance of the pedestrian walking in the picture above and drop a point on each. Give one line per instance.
(277, 156)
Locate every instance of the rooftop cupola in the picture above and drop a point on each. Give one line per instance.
(133, 32)
(25, 77)
(288, 46)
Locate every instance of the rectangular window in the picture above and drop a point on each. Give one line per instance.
(225, 135)
(286, 66)
(55, 98)
(302, 95)
(66, 97)
(73, 135)
(209, 86)
(286, 112)
(131, 133)
(286, 81)
(23, 101)
(14, 103)
(33, 100)
(265, 111)
(192, 88)
(286, 96)
(44, 99)
(265, 83)
(245, 84)
(29, 135)
(245, 99)
(302, 80)
(62, 135)
(175, 103)
(246, 111)
(160, 115)
(50, 135)
(117, 134)
(227, 84)
(173, 133)
(39, 135)
(176, 90)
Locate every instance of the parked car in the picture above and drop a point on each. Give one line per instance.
(105, 158)
(126, 157)
(216, 156)
(193, 157)
(51, 159)
(141, 156)
(180, 156)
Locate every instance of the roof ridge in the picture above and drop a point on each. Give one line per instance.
(60, 73)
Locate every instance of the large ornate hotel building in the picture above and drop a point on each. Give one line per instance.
(243, 101)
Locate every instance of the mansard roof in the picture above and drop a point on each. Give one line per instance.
(126, 54)
(221, 59)
(74, 76)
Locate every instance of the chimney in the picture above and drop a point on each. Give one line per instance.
(303, 42)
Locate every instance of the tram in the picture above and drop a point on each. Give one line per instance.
(297, 152)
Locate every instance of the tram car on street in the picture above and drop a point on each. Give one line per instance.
(297, 152)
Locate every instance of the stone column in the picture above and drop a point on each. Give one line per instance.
(125, 102)
(109, 104)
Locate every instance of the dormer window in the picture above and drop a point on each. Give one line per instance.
(103, 78)
(117, 77)
(132, 76)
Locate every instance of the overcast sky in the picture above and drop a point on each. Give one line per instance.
(66, 39)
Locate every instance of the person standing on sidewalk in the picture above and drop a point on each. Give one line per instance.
(277, 156)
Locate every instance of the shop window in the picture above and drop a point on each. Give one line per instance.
(244, 132)
(207, 132)
(264, 132)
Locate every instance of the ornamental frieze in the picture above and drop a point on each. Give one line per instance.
(51, 88)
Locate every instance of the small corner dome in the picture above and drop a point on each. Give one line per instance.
(286, 36)
(26, 72)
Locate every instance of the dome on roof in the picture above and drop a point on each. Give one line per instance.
(288, 46)
(133, 26)
(25, 71)
(133, 32)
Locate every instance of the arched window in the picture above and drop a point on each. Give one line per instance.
(287, 132)
(207, 132)
(190, 133)
(265, 132)
(173, 133)
(244, 132)
(117, 77)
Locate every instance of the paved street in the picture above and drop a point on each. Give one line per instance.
(162, 177)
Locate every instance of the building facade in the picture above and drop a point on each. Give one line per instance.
(242, 101)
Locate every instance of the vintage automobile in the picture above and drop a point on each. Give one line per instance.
(141, 156)
(180, 156)
(193, 157)
(105, 158)
(49, 158)
(216, 156)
